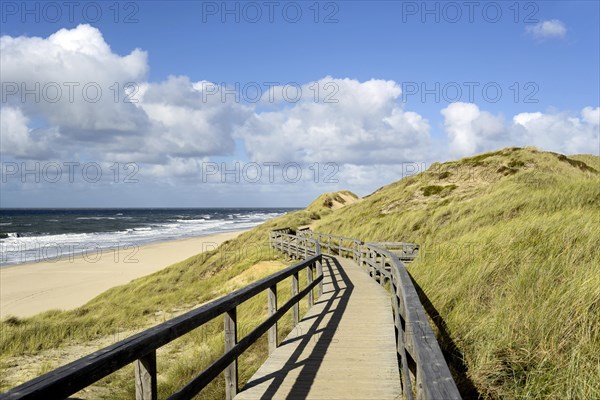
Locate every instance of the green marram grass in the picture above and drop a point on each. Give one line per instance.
(509, 259)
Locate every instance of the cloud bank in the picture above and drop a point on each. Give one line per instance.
(175, 125)
(471, 130)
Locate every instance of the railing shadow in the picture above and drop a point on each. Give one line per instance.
(454, 357)
(324, 335)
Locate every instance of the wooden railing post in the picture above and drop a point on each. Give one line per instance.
(294, 250)
(295, 307)
(231, 372)
(145, 377)
(375, 259)
(382, 272)
(319, 269)
(309, 278)
(305, 248)
(379, 267)
(400, 346)
(272, 294)
(360, 254)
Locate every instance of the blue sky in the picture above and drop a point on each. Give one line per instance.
(374, 58)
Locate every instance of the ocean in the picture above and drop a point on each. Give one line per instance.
(30, 235)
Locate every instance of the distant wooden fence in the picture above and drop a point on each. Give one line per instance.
(141, 349)
(419, 354)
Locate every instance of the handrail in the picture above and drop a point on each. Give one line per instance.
(330, 247)
(141, 348)
(419, 354)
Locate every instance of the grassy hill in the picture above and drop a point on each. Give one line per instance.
(509, 259)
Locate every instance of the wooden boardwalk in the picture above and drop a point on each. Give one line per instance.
(344, 348)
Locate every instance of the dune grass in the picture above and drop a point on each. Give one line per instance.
(511, 261)
(509, 258)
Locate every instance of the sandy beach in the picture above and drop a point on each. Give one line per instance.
(68, 283)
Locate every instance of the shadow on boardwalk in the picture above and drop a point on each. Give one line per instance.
(335, 298)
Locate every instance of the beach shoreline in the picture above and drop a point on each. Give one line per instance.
(71, 281)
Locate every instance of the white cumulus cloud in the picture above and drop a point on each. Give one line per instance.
(591, 115)
(470, 130)
(188, 124)
(89, 97)
(549, 29)
(558, 131)
(362, 123)
(18, 139)
(176, 125)
(72, 78)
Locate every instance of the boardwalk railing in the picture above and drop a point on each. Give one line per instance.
(419, 354)
(141, 349)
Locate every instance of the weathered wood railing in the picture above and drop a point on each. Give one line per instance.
(419, 354)
(299, 248)
(141, 348)
(335, 245)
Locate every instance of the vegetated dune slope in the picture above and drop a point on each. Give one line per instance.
(509, 259)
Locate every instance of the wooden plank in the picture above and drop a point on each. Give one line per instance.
(344, 348)
(296, 307)
(309, 278)
(272, 305)
(320, 273)
(305, 244)
(145, 377)
(231, 372)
